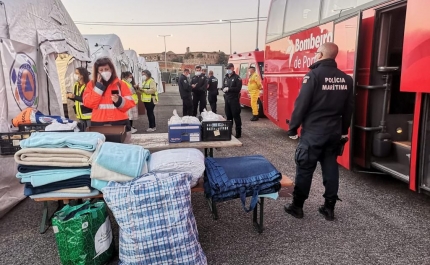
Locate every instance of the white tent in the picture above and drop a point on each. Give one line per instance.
(32, 35)
(154, 68)
(133, 64)
(110, 45)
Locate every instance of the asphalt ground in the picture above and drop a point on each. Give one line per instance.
(379, 220)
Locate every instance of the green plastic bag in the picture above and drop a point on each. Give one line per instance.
(83, 234)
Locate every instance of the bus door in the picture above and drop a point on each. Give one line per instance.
(389, 111)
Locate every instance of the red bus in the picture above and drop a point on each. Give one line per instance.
(385, 46)
(242, 61)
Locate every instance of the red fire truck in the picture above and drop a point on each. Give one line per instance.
(242, 61)
(385, 46)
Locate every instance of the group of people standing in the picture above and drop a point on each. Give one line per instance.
(194, 91)
(107, 99)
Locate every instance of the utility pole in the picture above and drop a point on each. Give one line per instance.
(258, 25)
(165, 50)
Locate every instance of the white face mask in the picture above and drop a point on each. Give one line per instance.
(198, 73)
(229, 71)
(144, 78)
(129, 80)
(76, 77)
(106, 75)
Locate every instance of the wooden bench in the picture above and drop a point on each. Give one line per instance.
(258, 224)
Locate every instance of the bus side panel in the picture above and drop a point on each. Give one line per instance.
(416, 48)
(363, 78)
(345, 36)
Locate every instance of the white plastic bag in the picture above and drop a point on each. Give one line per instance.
(175, 119)
(210, 116)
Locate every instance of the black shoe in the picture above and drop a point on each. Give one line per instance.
(294, 210)
(238, 133)
(327, 210)
(254, 118)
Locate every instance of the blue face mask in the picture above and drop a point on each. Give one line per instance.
(229, 71)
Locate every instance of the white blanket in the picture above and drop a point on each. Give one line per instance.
(55, 157)
(181, 160)
(101, 173)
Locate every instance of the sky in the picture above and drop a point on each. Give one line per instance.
(198, 38)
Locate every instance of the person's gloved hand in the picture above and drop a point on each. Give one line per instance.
(344, 136)
(293, 134)
(294, 137)
(225, 89)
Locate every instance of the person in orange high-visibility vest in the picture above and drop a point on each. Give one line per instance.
(108, 97)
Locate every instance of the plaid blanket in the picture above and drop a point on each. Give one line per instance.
(156, 221)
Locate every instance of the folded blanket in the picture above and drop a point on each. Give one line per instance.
(98, 184)
(100, 173)
(28, 169)
(87, 141)
(44, 177)
(57, 157)
(65, 195)
(74, 190)
(125, 159)
(82, 181)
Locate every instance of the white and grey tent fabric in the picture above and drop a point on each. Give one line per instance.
(107, 45)
(32, 35)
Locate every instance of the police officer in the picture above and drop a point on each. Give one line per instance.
(213, 91)
(323, 109)
(185, 92)
(199, 88)
(232, 86)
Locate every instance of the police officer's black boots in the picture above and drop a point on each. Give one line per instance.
(238, 132)
(328, 209)
(295, 208)
(254, 118)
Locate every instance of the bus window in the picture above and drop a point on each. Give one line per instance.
(276, 19)
(300, 14)
(334, 7)
(261, 66)
(243, 70)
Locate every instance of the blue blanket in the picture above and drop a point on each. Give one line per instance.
(65, 195)
(234, 177)
(98, 184)
(65, 184)
(28, 169)
(44, 177)
(87, 141)
(126, 159)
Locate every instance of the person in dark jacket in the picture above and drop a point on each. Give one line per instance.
(323, 108)
(185, 92)
(199, 87)
(232, 86)
(212, 91)
(82, 113)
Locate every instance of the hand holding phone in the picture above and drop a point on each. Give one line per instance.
(99, 78)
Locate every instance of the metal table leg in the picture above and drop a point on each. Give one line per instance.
(46, 218)
(212, 207)
(258, 225)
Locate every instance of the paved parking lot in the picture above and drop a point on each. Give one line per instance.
(379, 221)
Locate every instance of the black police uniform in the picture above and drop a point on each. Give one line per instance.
(213, 92)
(231, 98)
(185, 92)
(323, 108)
(199, 92)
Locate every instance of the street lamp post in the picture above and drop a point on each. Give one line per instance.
(230, 31)
(165, 51)
(258, 25)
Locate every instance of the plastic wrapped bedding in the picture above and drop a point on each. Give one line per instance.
(156, 221)
(187, 160)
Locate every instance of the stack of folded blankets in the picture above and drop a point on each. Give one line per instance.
(57, 164)
(118, 162)
(240, 177)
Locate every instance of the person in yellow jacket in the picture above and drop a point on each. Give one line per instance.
(133, 114)
(149, 97)
(254, 86)
(82, 113)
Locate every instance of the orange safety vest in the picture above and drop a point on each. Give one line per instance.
(103, 108)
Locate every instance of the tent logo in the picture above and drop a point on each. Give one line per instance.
(23, 79)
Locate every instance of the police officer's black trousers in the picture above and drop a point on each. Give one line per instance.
(187, 106)
(232, 111)
(199, 96)
(311, 149)
(213, 98)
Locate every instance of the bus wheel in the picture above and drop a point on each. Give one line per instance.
(260, 109)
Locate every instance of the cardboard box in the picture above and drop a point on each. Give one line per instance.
(113, 133)
(184, 133)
